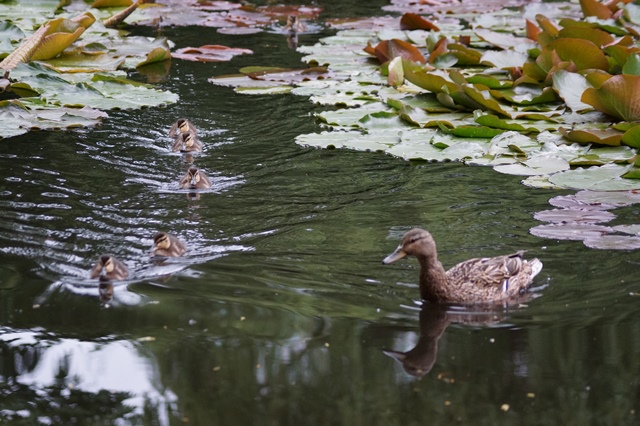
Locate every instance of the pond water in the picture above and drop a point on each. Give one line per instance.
(281, 312)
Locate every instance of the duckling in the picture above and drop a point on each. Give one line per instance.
(182, 126)
(195, 179)
(481, 280)
(294, 25)
(168, 245)
(109, 268)
(186, 142)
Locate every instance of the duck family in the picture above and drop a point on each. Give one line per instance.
(480, 280)
(184, 133)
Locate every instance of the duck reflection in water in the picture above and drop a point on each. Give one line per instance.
(293, 27)
(105, 290)
(434, 320)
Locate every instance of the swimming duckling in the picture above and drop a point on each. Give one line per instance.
(186, 142)
(168, 245)
(482, 280)
(109, 268)
(182, 126)
(294, 25)
(195, 179)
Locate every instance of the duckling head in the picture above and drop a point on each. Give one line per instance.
(161, 241)
(416, 242)
(183, 125)
(106, 264)
(194, 175)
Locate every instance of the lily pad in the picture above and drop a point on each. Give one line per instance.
(570, 231)
(600, 178)
(618, 97)
(209, 53)
(574, 216)
(613, 242)
(570, 86)
(538, 165)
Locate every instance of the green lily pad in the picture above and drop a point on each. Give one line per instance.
(611, 137)
(504, 58)
(616, 198)
(538, 165)
(506, 41)
(583, 53)
(570, 87)
(600, 178)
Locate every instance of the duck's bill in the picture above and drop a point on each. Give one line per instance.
(396, 255)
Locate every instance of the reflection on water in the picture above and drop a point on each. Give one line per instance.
(280, 308)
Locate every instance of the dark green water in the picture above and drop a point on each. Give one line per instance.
(281, 310)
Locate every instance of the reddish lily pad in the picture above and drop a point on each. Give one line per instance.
(386, 50)
(209, 53)
(611, 137)
(584, 53)
(618, 97)
(412, 21)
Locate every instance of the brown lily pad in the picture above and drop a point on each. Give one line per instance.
(386, 50)
(209, 53)
(618, 97)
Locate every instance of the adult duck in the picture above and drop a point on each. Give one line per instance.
(481, 280)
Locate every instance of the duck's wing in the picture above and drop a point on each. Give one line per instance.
(95, 271)
(489, 272)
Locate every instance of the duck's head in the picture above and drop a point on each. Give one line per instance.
(187, 141)
(106, 264)
(194, 175)
(161, 241)
(184, 125)
(416, 242)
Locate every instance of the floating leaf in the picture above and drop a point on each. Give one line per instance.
(613, 242)
(574, 216)
(619, 198)
(610, 137)
(569, 231)
(412, 21)
(632, 137)
(389, 49)
(539, 165)
(584, 53)
(505, 41)
(504, 58)
(209, 53)
(570, 86)
(618, 97)
(601, 178)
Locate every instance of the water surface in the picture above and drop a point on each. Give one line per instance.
(281, 310)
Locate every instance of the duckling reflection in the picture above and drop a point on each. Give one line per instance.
(195, 179)
(186, 142)
(183, 125)
(109, 268)
(434, 320)
(105, 290)
(293, 26)
(168, 245)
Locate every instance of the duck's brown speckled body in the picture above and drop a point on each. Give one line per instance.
(168, 245)
(109, 268)
(482, 280)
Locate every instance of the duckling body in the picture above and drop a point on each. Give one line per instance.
(481, 280)
(168, 245)
(186, 142)
(109, 268)
(195, 179)
(182, 126)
